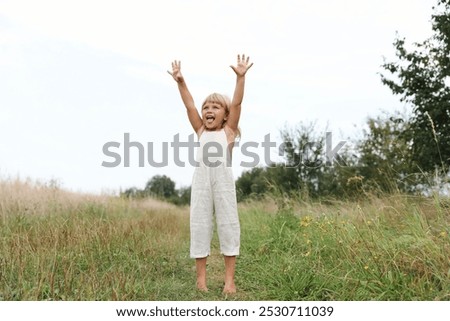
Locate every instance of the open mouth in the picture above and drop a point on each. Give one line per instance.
(209, 119)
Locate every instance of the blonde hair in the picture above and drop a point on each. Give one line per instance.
(223, 101)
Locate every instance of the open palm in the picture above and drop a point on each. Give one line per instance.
(176, 71)
(242, 65)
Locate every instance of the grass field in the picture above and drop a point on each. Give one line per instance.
(57, 245)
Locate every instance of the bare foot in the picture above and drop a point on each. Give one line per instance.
(202, 287)
(229, 289)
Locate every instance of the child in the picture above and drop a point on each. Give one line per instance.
(213, 185)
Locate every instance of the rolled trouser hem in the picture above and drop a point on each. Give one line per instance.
(198, 256)
(230, 253)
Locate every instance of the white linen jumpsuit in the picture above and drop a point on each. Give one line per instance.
(213, 190)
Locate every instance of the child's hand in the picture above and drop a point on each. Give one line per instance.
(176, 71)
(242, 65)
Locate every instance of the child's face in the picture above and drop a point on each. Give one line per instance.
(213, 116)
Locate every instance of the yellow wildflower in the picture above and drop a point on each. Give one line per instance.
(305, 221)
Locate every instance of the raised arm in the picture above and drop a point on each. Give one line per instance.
(235, 109)
(193, 115)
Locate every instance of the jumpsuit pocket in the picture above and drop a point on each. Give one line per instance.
(224, 180)
(200, 178)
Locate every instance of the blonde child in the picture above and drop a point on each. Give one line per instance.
(213, 187)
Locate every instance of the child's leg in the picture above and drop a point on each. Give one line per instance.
(228, 226)
(230, 264)
(201, 274)
(201, 223)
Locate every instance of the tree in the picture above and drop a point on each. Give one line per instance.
(132, 192)
(385, 159)
(252, 183)
(305, 161)
(423, 77)
(181, 197)
(305, 172)
(160, 186)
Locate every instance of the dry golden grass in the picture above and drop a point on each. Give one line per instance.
(34, 198)
(59, 244)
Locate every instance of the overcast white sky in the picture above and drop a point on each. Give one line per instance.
(75, 75)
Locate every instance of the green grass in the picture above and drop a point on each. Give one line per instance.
(60, 246)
